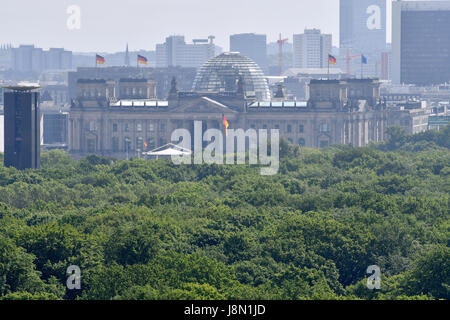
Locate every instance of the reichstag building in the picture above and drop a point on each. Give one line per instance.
(118, 118)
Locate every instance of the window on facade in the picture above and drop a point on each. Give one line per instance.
(126, 127)
(92, 126)
(264, 126)
(139, 143)
(301, 128)
(277, 126)
(324, 127)
(302, 142)
(91, 145)
(151, 143)
(139, 127)
(151, 127)
(163, 127)
(289, 128)
(127, 144)
(115, 144)
(115, 127)
(323, 143)
(253, 126)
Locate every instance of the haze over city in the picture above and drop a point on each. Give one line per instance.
(107, 25)
(216, 158)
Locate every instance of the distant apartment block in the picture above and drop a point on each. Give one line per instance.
(28, 58)
(175, 52)
(5, 57)
(311, 49)
(251, 45)
(421, 42)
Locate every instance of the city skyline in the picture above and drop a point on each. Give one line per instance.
(29, 23)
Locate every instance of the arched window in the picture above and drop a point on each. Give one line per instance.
(302, 142)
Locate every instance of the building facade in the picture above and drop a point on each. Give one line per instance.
(363, 31)
(421, 42)
(363, 25)
(22, 129)
(338, 112)
(251, 45)
(6, 57)
(28, 58)
(175, 52)
(163, 77)
(311, 49)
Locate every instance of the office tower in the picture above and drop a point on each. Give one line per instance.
(363, 25)
(253, 46)
(311, 49)
(175, 52)
(421, 42)
(362, 31)
(22, 128)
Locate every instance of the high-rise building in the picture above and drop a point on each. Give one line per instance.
(22, 128)
(363, 25)
(421, 42)
(311, 49)
(175, 52)
(362, 31)
(251, 45)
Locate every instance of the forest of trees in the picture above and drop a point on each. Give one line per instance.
(153, 230)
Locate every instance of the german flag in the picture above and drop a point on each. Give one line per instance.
(99, 59)
(142, 60)
(225, 124)
(331, 59)
(145, 145)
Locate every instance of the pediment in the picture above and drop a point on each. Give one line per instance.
(202, 105)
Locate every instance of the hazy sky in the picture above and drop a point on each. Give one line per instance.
(107, 25)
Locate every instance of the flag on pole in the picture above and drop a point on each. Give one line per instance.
(99, 59)
(225, 124)
(363, 59)
(145, 145)
(142, 60)
(332, 59)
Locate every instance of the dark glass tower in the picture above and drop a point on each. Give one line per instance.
(421, 42)
(22, 128)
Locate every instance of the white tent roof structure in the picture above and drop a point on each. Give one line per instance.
(168, 150)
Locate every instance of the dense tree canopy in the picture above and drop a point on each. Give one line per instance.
(154, 230)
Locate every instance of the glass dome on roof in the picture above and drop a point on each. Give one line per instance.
(222, 73)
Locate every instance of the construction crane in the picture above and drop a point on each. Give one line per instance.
(281, 42)
(348, 60)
